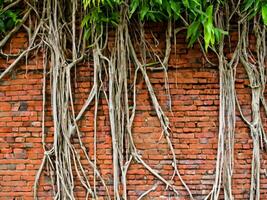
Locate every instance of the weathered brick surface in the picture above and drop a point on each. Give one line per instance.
(194, 93)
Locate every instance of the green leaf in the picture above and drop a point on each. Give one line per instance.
(222, 31)
(192, 29)
(176, 8)
(207, 34)
(151, 16)
(166, 5)
(133, 6)
(109, 3)
(12, 15)
(86, 20)
(158, 1)
(186, 3)
(87, 33)
(209, 11)
(212, 38)
(197, 2)
(143, 12)
(193, 32)
(86, 3)
(247, 4)
(264, 13)
(218, 33)
(208, 28)
(193, 38)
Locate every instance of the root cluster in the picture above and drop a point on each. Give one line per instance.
(53, 30)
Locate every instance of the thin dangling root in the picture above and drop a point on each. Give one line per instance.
(54, 33)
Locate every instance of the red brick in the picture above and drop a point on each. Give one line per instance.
(194, 90)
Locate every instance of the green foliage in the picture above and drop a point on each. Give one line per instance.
(155, 10)
(264, 13)
(100, 12)
(204, 21)
(212, 34)
(98, 3)
(199, 15)
(8, 18)
(255, 7)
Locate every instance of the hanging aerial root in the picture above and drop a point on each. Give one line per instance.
(62, 159)
(254, 65)
(161, 116)
(56, 31)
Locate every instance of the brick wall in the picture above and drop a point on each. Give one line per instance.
(194, 92)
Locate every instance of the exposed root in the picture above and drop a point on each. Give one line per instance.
(56, 31)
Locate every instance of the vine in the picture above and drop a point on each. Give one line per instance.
(83, 30)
